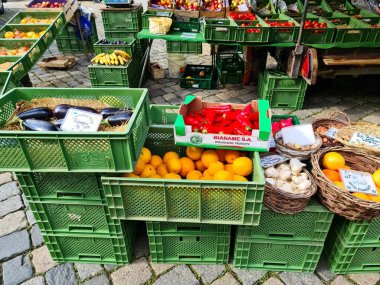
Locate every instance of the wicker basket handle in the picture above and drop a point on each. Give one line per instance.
(337, 113)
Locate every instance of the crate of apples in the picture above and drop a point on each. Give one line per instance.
(212, 5)
(22, 35)
(47, 4)
(234, 5)
(32, 20)
(186, 5)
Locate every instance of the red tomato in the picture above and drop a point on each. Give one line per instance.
(323, 25)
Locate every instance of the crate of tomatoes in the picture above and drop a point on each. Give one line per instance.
(317, 30)
(223, 126)
(251, 28)
(283, 29)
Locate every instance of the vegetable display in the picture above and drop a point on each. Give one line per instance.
(117, 57)
(277, 126)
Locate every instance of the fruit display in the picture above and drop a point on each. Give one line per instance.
(47, 4)
(117, 57)
(187, 5)
(23, 35)
(5, 65)
(33, 20)
(234, 5)
(276, 23)
(163, 4)
(333, 161)
(316, 145)
(224, 119)
(288, 177)
(277, 126)
(212, 5)
(314, 25)
(198, 164)
(243, 16)
(13, 52)
(322, 132)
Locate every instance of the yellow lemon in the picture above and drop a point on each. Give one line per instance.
(242, 166)
(215, 166)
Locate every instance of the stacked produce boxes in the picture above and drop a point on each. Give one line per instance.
(284, 242)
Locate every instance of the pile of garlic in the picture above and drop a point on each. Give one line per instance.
(288, 177)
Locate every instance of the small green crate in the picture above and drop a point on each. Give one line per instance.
(196, 81)
(282, 34)
(344, 259)
(356, 233)
(274, 79)
(154, 13)
(48, 187)
(318, 35)
(190, 246)
(277, 118)
(141, 44)
(178, 229)
(90, 248)
(227, 77)
(129, 46)
(251, 33)
(186, 25)
(367, 17)
(344, 7)
(183, 47)
(114, 76)
(312, 224)
(277, 256)
(7, 81)
(59, 18)
(82, 152)
(230, 68)
(70, 30)
(73, 44)
(117, 21)
(219, 30)
(317, 7)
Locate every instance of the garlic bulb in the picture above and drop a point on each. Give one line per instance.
(303, 175)
(297, 179)
(285, 175)
(283, 166)
(271, 181)
(296, 166)
(271, 172)
(304, 185)
(287, 187)
(280, 183)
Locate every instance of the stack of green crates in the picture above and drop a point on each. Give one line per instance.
(282, 91)
(68, 40)
(353, 246)
(230, 68)
(284, 242)
(7, 82)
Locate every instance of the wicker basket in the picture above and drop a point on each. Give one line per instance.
(330, 122)
(295, 153)
(344, 136)
(286, 202)
(337, 200)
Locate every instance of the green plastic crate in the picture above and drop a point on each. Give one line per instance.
(259, 34)
(154, 13)
(20, 67)
(318, 35)
(183, 47)
(70, 30)
(73, 44)
(344, 259)
(283, 34)
(122, 20)
(178, 229)
(277, 118)
(129, 46)
(367, 17)
(317, 7)
(185, 25)
(90, 248)
(219, 30)
(141, 44)
(226, 77)
(312, 224)
(229, 62)
(211, 202)
(344, 6)
(277, 256)
(48, 187)
(59, 18)
(274, 79)
(355, 233)
(65, 151)
(196, 81)
(190, 246)
(7, 82)
(114, 76)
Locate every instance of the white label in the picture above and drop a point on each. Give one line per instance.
(81, 121)
(361, 138)
(220, 29)
(163, 14)
(270, 160)
(331, 133)
(243, 7)
(272, 142)
(188, 36)
(357, 181)
(195, 85)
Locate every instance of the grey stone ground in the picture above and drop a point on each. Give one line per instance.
(25, 260)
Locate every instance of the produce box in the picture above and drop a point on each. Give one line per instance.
(160, 5)
(58, 19)
(141, 44)
(235, 77)
(255, 31)
(317, 7)
(277, 118)
(189, 243)
(212, 9)
(184, 201)
(343, 6)
(191, 77)
(7, 81)
(122, 19)
(154, 13)
(370, 19)
(186, 8)
(183, 47)
(109, 45)
(73, 44)
(68, 7)
(19, 68)
(104, 151)
(258, 141)
(185, 24)
(279, 33)
(317, 30)
(219, 30)
(230, 68)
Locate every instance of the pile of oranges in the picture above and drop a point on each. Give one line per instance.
(198, 164)
(333, 161)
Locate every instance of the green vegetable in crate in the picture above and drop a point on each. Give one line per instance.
(39, 125)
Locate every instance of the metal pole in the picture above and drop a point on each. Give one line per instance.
(303, 18)
(146, 56)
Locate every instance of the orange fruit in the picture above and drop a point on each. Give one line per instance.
(148, 171)
(162, 170)
(155, 176)
(195, 153)
(172, 176)
(139, 166)
(222, 175)
(333, 160)
(339, 184)
(209, 156)
(239, 178)
(207, 175)
(231, 155)
(186, 165)
(194, 175)
(9, 35)
(145, 155)
(362, 196)
(346, 167)
(376, 177)
(375, 198)
(242, 166)
(230, 168)
(215, 166)
(221, 154)
(169, 155)
(156, 161)
(199, 165)
(130, 175)
(174, 165)
(332, 174)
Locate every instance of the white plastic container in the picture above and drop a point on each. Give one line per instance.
(176, 64)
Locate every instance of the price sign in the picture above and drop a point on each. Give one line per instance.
(81, 121)
(243, 7)
(357, 181)
(361, 138)
(272, 142)
(331, 133)
(270, 160)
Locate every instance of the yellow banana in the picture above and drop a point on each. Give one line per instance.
(125, 60)
(101, 61)
(122, 53)
(108, 58)
(120, 59)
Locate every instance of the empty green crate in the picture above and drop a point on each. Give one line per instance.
(59, 18)
(183, 47)
(172, 229)
(229, 62)
(283, 99)
(251, 33)
(129, 46)
(312, 224)
(226, 77)
(186, 25)
(277, 255)
(122, 20)
(7, 82)
(281, 34)
(274, 79)
(211, 202)
(193, 71)
(190, 246)
(65, 151)
(153, 13)
(219, 30)
(344, 259)
(73, 44)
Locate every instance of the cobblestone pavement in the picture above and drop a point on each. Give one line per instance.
(24, 259)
